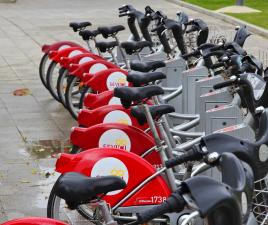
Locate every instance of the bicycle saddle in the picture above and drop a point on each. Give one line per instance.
(77, 26)
(104, 46)
(77, 189)
(156, 112)
(139, 79)
(109, 31)
(146, 66)
(88, 34)
(135, 46)
(128, 95)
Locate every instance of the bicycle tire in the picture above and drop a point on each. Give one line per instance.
(54, 202)
(60, 86)
(42, 66)
(49, 81)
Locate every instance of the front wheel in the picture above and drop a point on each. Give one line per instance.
(62, 85)
(57, 209)
(43, 67)
(54, 70)
(74, 95)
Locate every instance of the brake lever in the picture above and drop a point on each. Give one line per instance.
(200, 168)
(188, 218)
(164, 31)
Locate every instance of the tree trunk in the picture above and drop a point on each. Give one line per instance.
(239, 2)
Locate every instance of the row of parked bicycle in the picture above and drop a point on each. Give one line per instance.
(172, 129)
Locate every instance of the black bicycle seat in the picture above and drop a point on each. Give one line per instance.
(77, 189)
(88, 34)
(109, 31)
(135, 46)
(146, 66)
(156, 112)
(77, 26)
(105, 46)
(128, 95)
(139, 79)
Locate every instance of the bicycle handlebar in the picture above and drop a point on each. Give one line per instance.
(217, 65)
(123, 14)
(188, 55)
(191, 155)
(224, 84)
(174, 203)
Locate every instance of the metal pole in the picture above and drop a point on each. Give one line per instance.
(239, 2)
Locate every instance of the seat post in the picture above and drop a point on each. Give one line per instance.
(113, 56)
(122, 52)
(106, 213)
(160, 147)
(99, 52)
(88, 45)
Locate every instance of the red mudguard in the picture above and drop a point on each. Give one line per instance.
(34, 221)
(115, 135)
(108, 80)
(77, 60)
(59, 46)
(108, 114)
(132, 168)
(87, 70)
(93, 101)
(56, 56)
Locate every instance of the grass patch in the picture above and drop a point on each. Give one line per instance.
(259, 19)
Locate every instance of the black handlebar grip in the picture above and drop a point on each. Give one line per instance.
(157, 28)
(224, 84)
(216, 48)
(123, 14)
(192, 29)
(217, 65)
(188, 55)
(174, 203)
(190, 155)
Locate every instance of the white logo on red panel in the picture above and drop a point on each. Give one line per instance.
(114, 101)
(110, 166)
(115, 138)
(85, 59)
(97, 67)
(117, 116)
(74, 53)
(116, 79)
(63, 47)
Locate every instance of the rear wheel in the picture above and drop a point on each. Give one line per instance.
(57, 209)
(62, 85)
(43, 67)
(53, 73)
(74, 95)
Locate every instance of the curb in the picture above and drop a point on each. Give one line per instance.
(252, 28)
(8, 1)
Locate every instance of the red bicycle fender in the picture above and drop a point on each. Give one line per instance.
(108, 80)
(108, 114)
(93, 101)
(59, 45)
(132, 168)
(67, 52)
(116, 135)
(34, 221)
(92, 67)
(78, 59)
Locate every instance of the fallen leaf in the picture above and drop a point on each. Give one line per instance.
(41, 150)
(25, 181)
(34, 171)
(22, 92)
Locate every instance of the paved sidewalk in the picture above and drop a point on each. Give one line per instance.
(25, 179)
